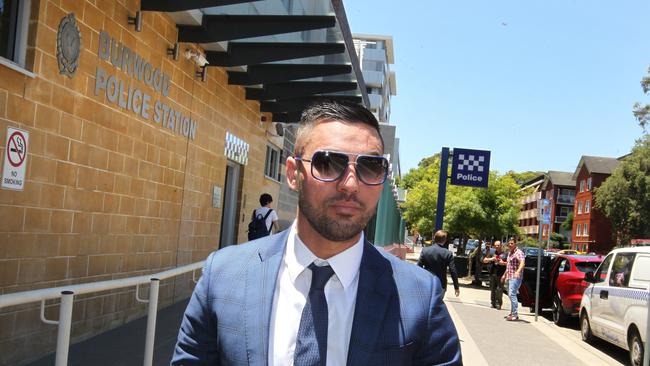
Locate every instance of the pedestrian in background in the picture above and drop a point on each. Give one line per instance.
(496, 267)
(514, 274)
(436, 259)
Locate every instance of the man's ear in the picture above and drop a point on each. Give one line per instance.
(293, 173)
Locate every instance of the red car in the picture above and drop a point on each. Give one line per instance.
(561, 283)
(567, 274)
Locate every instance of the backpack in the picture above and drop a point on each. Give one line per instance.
(257, 226)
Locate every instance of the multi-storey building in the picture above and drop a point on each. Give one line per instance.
(528, 213)
(592, 231)
(375, 53)
(560, 189)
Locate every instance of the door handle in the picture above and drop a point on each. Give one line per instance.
(604, 295)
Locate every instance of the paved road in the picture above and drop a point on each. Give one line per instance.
(486, 336)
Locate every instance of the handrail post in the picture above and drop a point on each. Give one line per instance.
(151, 322)
(65, 324)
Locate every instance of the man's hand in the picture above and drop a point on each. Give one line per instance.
(457, 291)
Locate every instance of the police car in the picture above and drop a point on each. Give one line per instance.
(615, 305)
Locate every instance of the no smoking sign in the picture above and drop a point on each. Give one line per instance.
(15, 161)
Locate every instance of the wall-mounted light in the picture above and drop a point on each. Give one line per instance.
(137, 21)
(174, 52)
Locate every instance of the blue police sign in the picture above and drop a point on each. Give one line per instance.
(470, 168)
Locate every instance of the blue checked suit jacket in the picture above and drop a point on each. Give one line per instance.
(399, 317)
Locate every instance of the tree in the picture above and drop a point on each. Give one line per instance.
(476, 212)
(523, 177)
(625, 196)
(567, 225)
(642, 112)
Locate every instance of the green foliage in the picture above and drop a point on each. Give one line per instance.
(567, 225)
(557, 237)
(474, 212)
(625, 196)
(642, 112)
(528, 242)
(523, 177)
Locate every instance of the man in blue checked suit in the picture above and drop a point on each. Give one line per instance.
(319, 293)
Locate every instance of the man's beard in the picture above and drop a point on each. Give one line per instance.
(341, 229)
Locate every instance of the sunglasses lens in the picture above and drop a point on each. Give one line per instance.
(372, 169)
(328, 166)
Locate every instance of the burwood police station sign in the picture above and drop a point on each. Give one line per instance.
(130, 97)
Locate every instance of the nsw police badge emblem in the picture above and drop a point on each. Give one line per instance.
(68, 45)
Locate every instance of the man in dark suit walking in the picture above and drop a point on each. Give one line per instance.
(436, 259)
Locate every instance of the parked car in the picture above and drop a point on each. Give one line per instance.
(561, 283)
(470, 246)
(567, 274)
(615, 305)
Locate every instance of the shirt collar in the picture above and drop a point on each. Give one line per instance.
(345, 264)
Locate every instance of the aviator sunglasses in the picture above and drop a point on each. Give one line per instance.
(329, 166)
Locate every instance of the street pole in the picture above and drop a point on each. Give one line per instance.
(442, 187)
(539, 258)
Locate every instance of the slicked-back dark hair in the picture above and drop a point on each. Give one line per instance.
(330, 109)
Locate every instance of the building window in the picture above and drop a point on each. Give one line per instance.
(582, 186)
(589, 184)
(579, 207)
(587, 204)
(579, 230)
(272, 165)
(14, 20)
(585, 229)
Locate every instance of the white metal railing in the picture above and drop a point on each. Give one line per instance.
(67, 293)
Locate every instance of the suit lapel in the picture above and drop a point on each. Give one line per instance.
(260, 286)
(373, 297)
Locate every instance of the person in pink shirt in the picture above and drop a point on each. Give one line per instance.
(514, 274)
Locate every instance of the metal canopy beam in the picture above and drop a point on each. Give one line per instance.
(182, 5)
(218, 28)
(287, 117)
(251, 53)
(298, 89)
(299, 104)
(275, 73)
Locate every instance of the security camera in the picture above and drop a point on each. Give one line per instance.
(200, 60)
(196, 56)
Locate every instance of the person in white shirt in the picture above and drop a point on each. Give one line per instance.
(319, 293)
(265, 206)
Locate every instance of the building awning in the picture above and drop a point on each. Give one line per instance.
(286, 54)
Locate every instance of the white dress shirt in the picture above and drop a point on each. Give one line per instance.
(292, 289)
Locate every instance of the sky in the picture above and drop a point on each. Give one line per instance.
(539, 83)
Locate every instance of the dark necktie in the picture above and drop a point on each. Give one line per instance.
(311, 342)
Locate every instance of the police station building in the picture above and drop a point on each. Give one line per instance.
(137, 137)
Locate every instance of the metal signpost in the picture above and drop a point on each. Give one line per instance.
(468, 168)
(543, 217)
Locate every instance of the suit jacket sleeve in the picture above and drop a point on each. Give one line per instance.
(197, 337)
(442, 347)
(452, 270)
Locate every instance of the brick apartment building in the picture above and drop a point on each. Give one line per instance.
(528, 212)
(592, 231)
(560, 189)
